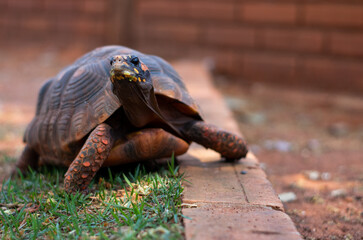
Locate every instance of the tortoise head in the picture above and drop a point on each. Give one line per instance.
(130, 78)
(129, 68)
(132, 84)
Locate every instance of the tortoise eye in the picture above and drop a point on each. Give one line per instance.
(135, 60)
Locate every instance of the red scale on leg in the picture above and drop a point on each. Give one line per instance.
(90, 159)
(99, 133)
(100, 149)
(206, 134)
(86, 164)
(228, 144)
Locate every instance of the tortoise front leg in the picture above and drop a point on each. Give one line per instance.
(229, 145)
(89, 160)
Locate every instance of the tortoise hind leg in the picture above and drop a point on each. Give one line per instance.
(229, 145)
(89, 160)
(28, 159)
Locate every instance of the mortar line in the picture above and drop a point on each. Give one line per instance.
(240, 183)
(235, 203)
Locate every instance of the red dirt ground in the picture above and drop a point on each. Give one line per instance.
(290, 131)
(295, 132)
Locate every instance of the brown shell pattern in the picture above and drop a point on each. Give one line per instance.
(79, 98)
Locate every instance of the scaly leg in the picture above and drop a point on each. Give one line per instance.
(89, 160)
(229, 145)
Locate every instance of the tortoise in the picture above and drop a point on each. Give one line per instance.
(112, 106)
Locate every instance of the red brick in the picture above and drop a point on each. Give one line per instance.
(230, 36)
(65, 24)
(3, 6)
(4, 21)
(37, 23)
(90, 27)
(229, 62)
(22, 4)
(223, 10)
(63, 5)
(334, 15)
(269, 67)
(268, 12)
(159, 8)
(257, 188)
(350, 44)
(236, 221)
(9, 21)
(164, 49)
(331, 74)
(95, 6)
(292, 39)
(171, 31)
(187, 9)
(211, 182)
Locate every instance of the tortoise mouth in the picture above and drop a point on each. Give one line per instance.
(121, 73)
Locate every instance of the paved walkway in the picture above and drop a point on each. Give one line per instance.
(224, 203)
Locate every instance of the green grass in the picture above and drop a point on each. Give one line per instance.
(137, 205)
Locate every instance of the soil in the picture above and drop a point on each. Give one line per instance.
(309, 143)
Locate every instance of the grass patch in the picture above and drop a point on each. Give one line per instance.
(137, 205)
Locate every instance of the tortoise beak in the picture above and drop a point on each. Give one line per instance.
(121, 72)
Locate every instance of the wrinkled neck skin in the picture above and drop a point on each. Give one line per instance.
(139, 104)
(141, 107)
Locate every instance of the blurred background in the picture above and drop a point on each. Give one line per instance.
(315, 44)
(291, 71)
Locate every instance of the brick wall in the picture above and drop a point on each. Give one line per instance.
(49, 20)
(305, 43)
(62, 21)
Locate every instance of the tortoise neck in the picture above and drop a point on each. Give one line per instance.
(140, 108)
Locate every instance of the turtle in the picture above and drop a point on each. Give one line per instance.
(115, 105)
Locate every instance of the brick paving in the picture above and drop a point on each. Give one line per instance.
(224, 203)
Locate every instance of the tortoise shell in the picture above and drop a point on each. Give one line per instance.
(80, 97)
